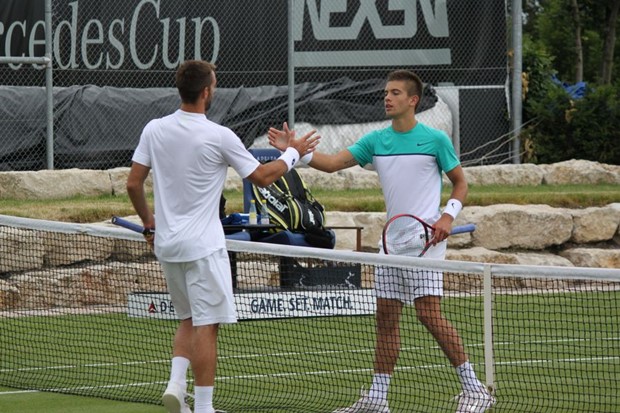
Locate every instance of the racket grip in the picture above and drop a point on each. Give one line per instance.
(121, 222)
(463, 228)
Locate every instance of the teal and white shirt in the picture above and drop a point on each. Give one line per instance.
(409, 165)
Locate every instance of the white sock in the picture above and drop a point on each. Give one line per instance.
(178, 371)
(468, 378)
(203, 399)
(380, 385)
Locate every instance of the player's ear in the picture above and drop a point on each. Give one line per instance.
(414, 100)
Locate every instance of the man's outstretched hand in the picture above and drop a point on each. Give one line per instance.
(282, 139)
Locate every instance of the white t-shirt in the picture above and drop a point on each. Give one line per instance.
(189, 156)
(409, 165)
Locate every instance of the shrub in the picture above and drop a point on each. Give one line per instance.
(558, 128)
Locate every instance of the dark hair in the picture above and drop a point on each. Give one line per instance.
(415, 86)
(192, 77)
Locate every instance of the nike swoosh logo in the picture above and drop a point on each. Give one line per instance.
(423, 143)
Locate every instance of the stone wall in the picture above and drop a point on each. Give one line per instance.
(523, 234)
(70, 182)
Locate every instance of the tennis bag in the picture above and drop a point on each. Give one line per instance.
(292, 207)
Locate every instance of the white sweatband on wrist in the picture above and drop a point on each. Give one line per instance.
(305, 160)
(453, 207)
(290, 157)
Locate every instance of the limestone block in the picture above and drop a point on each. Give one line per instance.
(118, 179)
(20, 250)
(541, 258)
(523, 174)
(48, 184)
(257, 274)
(233, 181)
(531, 227)
(45, 289)
(580, 172)
(371, 221)
(593, 257)
(595, 224)
(64, 249)
(9, 296)
(480, 254)
(464, 240)
(616, 207)
(92, 285)
(120, 279)
(126, 250)
(149, 277)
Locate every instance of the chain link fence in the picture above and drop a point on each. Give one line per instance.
(113, 66)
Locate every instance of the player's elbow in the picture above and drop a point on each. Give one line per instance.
(132, 187)
(263, 176)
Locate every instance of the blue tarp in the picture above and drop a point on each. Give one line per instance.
(576, 90)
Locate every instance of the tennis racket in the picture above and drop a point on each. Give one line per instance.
(406, 234)
(121, 222)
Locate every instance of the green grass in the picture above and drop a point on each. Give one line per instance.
(94, 209)
(553, 352)
(14, 401)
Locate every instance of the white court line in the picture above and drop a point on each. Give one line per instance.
(320, 372)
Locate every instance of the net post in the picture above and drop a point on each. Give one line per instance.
(489, 363)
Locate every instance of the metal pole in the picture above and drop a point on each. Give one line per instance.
(49, 86)
(291, 67)
(489, 358)
(517, 87)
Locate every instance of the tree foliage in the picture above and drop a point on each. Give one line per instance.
(552, 22)
(556, 126)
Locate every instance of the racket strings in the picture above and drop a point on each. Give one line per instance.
(405, 236)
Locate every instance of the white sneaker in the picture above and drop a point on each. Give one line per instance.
(475, 402)
(366, 405)
(174, 399)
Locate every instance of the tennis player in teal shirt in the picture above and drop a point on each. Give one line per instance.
(409, 158)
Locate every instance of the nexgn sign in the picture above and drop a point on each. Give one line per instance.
(372, 14)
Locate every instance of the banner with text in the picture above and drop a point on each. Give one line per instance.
(267, 305)
(139, 43)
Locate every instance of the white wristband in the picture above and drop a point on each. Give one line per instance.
(453, 207)
(290, 157)
(305, 160)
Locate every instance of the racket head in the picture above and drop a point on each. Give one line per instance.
(406, 234)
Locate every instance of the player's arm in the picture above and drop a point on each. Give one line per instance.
(321, 161)
(332, 163)
(457, 198)
(135, 189)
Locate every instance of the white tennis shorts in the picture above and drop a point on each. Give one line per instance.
(202, 289)
(405, 285)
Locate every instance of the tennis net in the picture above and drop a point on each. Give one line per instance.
(84, 310)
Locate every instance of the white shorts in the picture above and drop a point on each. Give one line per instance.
(405, 285)
(202, 289)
